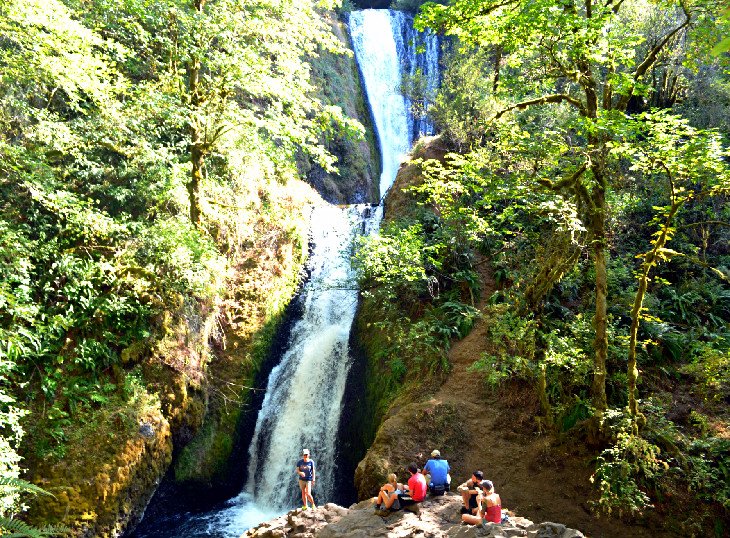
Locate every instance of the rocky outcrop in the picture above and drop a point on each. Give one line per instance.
(338, 83)
(436, 517)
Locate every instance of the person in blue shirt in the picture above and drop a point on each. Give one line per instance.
(307, 477)
(439, 480)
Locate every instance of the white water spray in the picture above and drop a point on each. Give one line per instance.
(386, 46)
(304, 395)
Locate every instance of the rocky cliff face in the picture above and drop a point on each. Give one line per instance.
(358, 162)
(437, 517)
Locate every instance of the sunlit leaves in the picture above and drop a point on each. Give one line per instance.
(47, 51)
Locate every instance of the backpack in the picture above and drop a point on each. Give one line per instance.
(438, 490)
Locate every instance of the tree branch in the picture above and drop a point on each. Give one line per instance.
(545, 99)
(707, 222)
(652, 56)
(566, 181)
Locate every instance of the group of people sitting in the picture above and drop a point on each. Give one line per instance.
(480, 503)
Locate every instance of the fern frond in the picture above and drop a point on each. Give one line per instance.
(22, 486)
(15, 528)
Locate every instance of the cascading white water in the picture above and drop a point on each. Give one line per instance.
(303, 398)
(385, 46)
(303, 401)
(304, 393)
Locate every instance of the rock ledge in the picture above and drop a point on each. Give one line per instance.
(438, 517)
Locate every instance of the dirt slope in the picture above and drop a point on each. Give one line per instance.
(495, 432)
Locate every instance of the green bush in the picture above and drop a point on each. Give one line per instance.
(626, 469)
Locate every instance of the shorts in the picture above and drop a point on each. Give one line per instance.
(439, 489)
(305, 484)
(407, 500)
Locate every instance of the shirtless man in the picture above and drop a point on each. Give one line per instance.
(470, 492)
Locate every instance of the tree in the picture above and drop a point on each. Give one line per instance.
(586, 57)
(244, 70)
(691, 163)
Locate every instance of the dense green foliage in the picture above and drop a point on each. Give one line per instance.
(143, 145)
(581, 169)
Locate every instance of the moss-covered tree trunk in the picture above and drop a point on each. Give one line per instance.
(650, 260)
(197, 153)
(600, 321)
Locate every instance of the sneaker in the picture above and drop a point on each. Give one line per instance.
(304, 507)
(314, 506)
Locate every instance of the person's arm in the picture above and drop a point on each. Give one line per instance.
(425, 469)
(481, 506)
(299, 472)
(314, 473)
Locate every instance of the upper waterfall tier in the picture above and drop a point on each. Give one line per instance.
(387, 49)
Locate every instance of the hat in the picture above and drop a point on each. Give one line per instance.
(435, 454)
(305, 452)
(487, 484)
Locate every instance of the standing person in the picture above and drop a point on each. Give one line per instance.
(437, 474)
(307, 477)
(470, 492)
(490, 507)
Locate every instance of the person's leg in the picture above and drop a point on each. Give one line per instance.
(303, 487)
(470, 519)
(411, 506)
(309, 494)
(391, 499)
(465, 498)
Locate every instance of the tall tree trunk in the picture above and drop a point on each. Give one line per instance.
(631, 369)
(498, 53)
(196, 175)
(650, 260)
(540, 354)
(197, 153)
(600, 321)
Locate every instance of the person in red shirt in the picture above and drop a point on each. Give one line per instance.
(416, 489)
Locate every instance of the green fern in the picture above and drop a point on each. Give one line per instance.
(22, 486)
(15, 528)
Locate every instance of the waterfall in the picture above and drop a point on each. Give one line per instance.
(301, 408)
(386, 46)
(304, 394)
(303, 399)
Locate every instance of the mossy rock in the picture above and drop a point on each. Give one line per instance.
(338, 83)
(409, 434)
